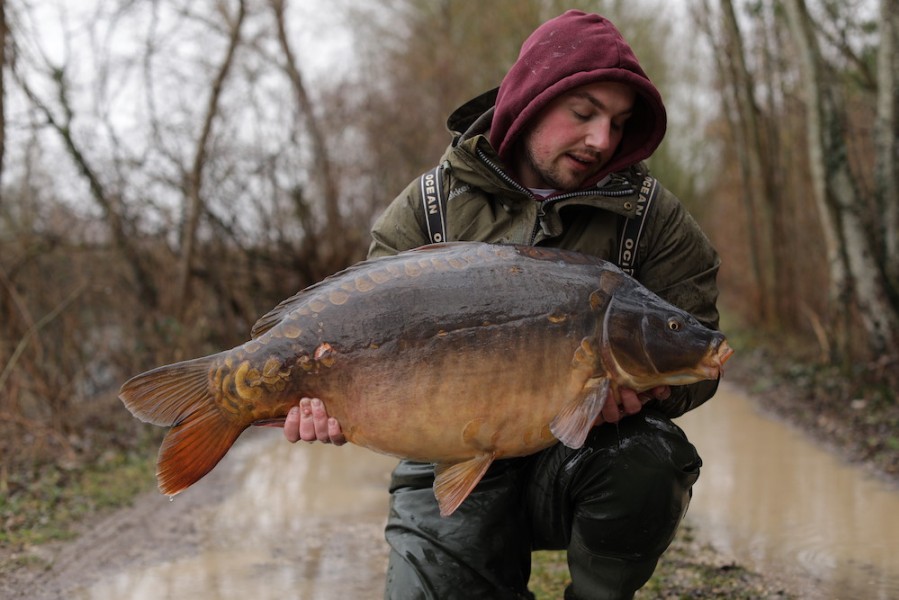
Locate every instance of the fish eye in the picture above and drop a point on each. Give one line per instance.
(675, 324)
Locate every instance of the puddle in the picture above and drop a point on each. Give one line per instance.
(780, 504)
(304, 521)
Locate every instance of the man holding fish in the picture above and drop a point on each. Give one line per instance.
(554, 158)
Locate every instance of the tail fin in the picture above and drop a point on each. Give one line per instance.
(178, 395)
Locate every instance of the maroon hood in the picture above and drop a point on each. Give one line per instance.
(569, 51)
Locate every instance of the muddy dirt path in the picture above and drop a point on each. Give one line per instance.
(311, 527)
(277, 521)
(782, 504)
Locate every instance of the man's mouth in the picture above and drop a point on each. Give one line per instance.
(583, 160)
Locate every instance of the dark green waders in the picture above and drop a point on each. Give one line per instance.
(614, 504)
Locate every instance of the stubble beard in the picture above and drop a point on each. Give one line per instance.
(549, 175)
(553, 176)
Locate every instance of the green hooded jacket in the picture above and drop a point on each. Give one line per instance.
(485, 203)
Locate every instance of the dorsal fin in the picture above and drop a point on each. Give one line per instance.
(288, 305)
(277, 314)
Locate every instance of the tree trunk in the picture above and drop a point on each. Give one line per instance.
(3, 36)
(194, 183)
(886, 134)
(761, 196)
(853, 266)
(323, 166)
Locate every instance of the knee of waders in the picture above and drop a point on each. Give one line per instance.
(630, 486)
(411, 474)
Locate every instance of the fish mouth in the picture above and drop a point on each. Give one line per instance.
(714, 368)
(724, 353)
(710, 367)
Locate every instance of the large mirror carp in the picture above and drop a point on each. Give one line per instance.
(456, 354)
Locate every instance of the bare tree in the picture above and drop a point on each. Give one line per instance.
(854, 272)
(3, 37)
(109, 201)
(887, 139)
(745, 118)
(323, 167)
(194, 177)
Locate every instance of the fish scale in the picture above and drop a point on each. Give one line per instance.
(456, 354)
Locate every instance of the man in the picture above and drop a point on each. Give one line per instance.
(554, 158)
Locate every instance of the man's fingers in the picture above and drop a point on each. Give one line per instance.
(319, 422)
(627, 403)
(610, 412)
(292, 425)
(630, 402)
(307, 423)
(335, 433)
(310, 422)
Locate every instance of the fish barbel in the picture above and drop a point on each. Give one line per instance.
(456, 354)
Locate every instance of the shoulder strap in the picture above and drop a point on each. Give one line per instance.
(633, 227)
(433, 201)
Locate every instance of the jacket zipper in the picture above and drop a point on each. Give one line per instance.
(541, 204)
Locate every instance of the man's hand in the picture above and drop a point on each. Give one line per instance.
(631, 403)
(310, 422)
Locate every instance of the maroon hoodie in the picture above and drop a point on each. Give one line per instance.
(569, 51)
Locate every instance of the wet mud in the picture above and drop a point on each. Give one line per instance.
(276, 520)
(272, 521)
(783, 505)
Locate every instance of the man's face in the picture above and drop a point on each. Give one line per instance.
(574, 136)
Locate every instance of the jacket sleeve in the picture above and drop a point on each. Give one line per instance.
(401, 226)
(680, 265)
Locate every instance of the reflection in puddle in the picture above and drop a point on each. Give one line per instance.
(307, 521)
(779, 504)
(304, 521)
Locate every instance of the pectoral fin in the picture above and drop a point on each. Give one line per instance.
(453, 482)
(575, 420)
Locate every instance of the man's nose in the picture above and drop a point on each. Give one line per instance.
(599, 135)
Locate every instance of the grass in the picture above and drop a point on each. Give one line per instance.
(549, 574)
(45, 504)
(688, 570)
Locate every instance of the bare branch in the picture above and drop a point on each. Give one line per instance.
(4, 32)
(323, 164)
(36, 327)
(105, 199)
(195, 175)
(840, 41)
